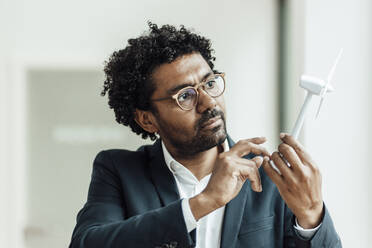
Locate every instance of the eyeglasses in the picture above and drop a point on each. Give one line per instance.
(188, 97)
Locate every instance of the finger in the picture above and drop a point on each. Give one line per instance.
(256, 161)
(257, 140)
(299, 149)
(251, 173)
(249, 162)
(272, 174)
(290, 155)
(281, 165)
(244, 147)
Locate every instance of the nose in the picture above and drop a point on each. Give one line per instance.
(205, 101)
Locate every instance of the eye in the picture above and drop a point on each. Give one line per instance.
(186, 95)
(210, 84)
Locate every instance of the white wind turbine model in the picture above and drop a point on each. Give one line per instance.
(313, 86)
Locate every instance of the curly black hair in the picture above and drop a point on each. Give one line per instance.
(128, 71)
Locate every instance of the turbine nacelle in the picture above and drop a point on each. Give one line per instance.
(315, 85)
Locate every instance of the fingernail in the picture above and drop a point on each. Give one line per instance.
(282, 135)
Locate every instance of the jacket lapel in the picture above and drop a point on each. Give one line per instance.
(233, 215)
(162, 177)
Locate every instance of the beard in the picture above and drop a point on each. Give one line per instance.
(202, 140)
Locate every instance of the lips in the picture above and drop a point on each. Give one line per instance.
(210, 121)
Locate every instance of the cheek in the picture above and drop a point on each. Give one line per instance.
(177, 119)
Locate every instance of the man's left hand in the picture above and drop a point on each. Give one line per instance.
(300, 184)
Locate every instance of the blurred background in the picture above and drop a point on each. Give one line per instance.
(53, 120)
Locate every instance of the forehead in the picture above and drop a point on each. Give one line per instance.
(189, 68)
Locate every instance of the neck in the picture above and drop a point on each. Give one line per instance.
(200, 164)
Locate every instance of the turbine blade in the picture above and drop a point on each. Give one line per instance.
(330, 74)
(332, 71)
(320, 106)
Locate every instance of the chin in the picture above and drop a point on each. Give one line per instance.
(200, 142)
(218, 136)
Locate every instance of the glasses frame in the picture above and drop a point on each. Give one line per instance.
(196, 87)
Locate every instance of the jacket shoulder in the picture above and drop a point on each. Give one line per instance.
(122, 158)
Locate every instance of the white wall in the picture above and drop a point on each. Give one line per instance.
(340, 139)
(243, 34)
(81, 34)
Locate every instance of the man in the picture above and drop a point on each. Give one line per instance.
(193, 186)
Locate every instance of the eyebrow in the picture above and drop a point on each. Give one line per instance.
(181, 86)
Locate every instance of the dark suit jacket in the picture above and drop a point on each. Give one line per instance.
(133, 201)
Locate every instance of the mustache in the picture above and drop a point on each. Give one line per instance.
(209, 114)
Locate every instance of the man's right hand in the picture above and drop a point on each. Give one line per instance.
(228, 176)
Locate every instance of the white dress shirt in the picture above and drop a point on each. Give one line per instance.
(209, 227)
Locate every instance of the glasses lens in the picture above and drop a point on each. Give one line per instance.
(215, 86)
(187, 98)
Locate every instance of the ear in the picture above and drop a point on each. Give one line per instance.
(146, 120)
